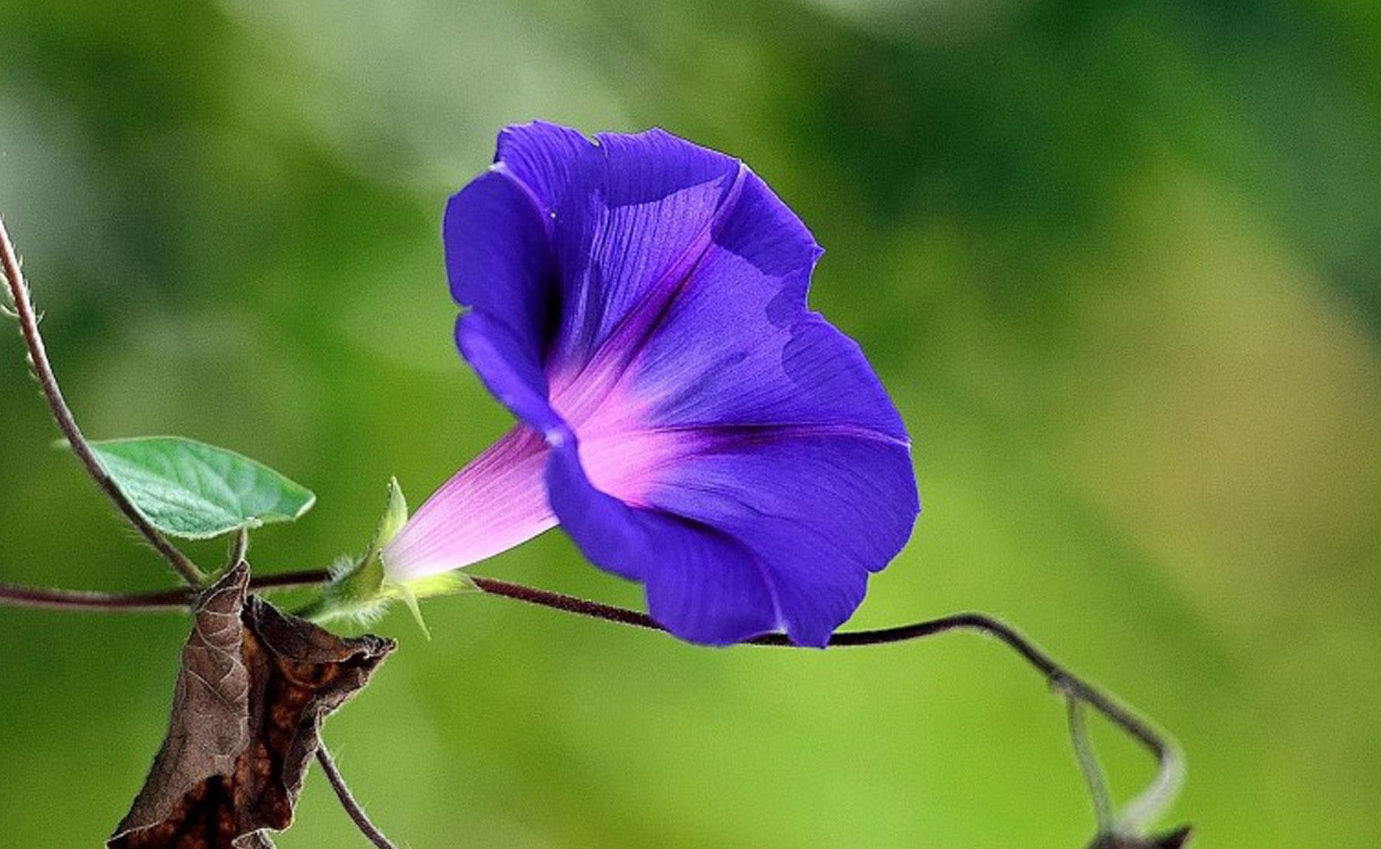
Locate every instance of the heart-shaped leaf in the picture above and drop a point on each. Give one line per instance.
(195, 491)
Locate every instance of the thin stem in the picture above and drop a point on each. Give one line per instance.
(46, 598)
(239, 547)
(1139, 812)
(347, 800)
(567, 603)
(1089, 766)
(62, 414)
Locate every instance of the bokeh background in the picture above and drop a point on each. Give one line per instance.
(1120, 264)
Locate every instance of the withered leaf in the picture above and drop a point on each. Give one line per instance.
(1170, 840)
(254, 687)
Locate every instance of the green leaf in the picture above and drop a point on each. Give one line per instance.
(196, 491)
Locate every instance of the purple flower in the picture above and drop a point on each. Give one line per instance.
(639, 303)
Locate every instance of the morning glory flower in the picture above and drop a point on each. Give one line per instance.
(639, 303)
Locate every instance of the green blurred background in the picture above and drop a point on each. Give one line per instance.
(1119, 263)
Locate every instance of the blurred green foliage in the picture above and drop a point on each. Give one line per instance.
(1120, 264)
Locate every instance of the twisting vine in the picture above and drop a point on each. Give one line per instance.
(48, 384)
(1113, 831)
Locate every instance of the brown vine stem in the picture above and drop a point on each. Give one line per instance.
(48, 598)
(1135, 816)
(28, 320)
(348, 802)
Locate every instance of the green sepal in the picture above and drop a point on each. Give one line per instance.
(410, 599)
(360, 588)
(394, 518)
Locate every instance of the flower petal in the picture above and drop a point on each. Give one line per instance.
(740, 346)
(702, 585)
(819, 508)
(507, 368)
(499, 262)
(541, 156)
(622, 221)
(630, 215)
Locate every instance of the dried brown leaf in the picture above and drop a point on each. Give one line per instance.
(254, 687)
